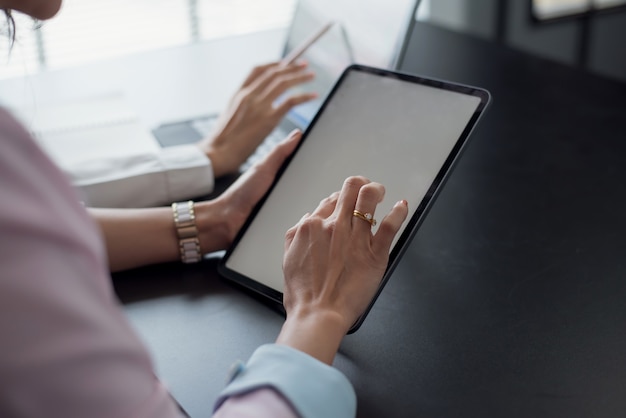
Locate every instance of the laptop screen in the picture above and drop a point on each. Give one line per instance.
(369, 32)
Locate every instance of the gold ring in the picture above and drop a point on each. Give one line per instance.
(367, 217)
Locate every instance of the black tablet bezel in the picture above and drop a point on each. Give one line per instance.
(421, 211)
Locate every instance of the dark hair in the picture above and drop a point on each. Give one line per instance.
(10, 26)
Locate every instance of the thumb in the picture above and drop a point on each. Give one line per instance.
(277, 156)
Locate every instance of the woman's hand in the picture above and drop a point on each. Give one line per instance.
(252, 114)
(333, 265)
(234, 205)
(137, 237)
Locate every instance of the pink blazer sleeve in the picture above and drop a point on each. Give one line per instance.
(66, 348)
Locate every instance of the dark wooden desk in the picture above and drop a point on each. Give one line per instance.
(511, 301)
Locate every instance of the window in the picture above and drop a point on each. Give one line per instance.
(555, 9)
(91, 30)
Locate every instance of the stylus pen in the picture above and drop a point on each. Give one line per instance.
(301, 49)
(346, 41)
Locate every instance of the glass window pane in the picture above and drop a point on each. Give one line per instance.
(91, 30)
(232, 17)
(88, 30)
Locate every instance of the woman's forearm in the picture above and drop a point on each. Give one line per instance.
(138, 237)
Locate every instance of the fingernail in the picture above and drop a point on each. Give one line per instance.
(403, 202)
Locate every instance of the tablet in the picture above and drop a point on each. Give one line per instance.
(400, 130)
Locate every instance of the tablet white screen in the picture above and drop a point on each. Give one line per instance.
(398, 133)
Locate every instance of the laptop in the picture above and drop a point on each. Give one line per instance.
(373, 32)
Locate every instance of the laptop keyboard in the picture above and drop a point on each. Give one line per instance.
(204, 125)
(188, 132)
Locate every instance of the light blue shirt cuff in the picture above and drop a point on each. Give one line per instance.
(313, 388)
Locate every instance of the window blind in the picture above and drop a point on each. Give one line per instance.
(90, 30)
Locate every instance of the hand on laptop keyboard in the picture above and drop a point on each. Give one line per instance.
(253, 113)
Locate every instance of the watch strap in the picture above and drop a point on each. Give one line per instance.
(185, 223)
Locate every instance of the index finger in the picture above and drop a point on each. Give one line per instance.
(257, 71)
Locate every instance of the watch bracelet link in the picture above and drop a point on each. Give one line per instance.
(185, 223)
